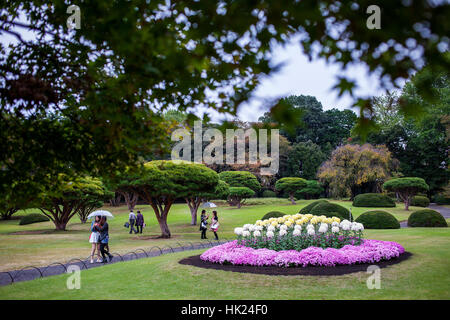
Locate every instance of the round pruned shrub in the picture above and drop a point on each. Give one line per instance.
(378, 219)
(268, 194)
(376, 200)
(33, 218)
(326, 208)
(426, 218)
(310, 206)
(420, 201)
(273, 214)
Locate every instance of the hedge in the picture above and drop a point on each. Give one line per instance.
(269, 194)
(426, 218)
(378, 219)
(273, 214)
(376, 200)
(33, 218)
(441, 199)
(309, 207)
(328, 208)
(420, 201)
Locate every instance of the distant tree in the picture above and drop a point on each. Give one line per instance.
(161, 182)
(303, 160)
(355, 169)
(238, 194)
(290, 185)
(406, 188)
(68, 196)
(240, 179)
(313, 189)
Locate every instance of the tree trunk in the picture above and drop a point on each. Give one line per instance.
(238, 204)
(6, 215)
(165, 232)
(60, 225)
(291, 197)
(407, 204)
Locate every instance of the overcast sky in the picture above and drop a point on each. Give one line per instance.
(301, 76)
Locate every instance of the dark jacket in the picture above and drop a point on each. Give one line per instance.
(139, 219)
(104, 236)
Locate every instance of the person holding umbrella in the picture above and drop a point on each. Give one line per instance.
(104, 239)
(93, 239)
(203, 224)
(100, 236)
(215, 224)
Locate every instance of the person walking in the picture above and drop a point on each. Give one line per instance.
(203, 224)
(93, 239)
(104, 240)
(139, 222)
(215, 224)
(132, 220)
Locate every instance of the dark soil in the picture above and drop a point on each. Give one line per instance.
(292, 271)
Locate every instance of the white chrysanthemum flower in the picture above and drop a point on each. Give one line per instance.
(361, 227)
(246, 226)
(311, 232)
(283, 227)
(296, 232)
(283, 232)
(259, 228)
(246, 233)
(309, 227)
(271, 228)
(251, 228)
(335, 229)
(269, 234)
(256, 233)
(345, 226)
(323, 228)
(238, 231)
(335, 224)
(298, 227)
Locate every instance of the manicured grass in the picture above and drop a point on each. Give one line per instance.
(19, 248)
(424, 276)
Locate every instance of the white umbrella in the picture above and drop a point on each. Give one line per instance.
(102, 213)
(209, 205)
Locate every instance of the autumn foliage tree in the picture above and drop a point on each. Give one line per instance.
(355, 169)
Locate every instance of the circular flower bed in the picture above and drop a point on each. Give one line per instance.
(302, 240)
(370, 251)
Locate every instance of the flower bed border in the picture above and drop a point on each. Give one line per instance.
(293, 271)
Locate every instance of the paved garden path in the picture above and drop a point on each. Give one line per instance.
(443, 210)
(33, 272)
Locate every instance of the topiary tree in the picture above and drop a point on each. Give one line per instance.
(273, 214)
(331, 209)
(378, 219)
(313, 189)
(426, 218)
(66, 196)
(122, 184)
(420, 201)
(290, 185)
(33, 218)
(237, 194)
(269, 194)
(373, 200)
(194, 199)
(240, 179)
(160, 182)
(406, 188)
(310, 206)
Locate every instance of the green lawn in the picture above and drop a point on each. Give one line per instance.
(39, 244)
(425, 275)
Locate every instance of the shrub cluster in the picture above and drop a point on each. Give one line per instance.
(378, 219)
(329, 209)
(310, 206)
(441, 199)
(33, 218)
(420, 201)
(426, 218)
(376, 200)
(273, 214)
(269, 194)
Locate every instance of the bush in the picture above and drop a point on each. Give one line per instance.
(378, 219)
(420, 201)
(269, 194)
(273, 214)
(441, 199)
(310, 206)
(426, 218)
(328, 208)
(33, 218)
(376, 200)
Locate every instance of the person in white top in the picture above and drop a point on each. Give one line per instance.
(132, 221)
